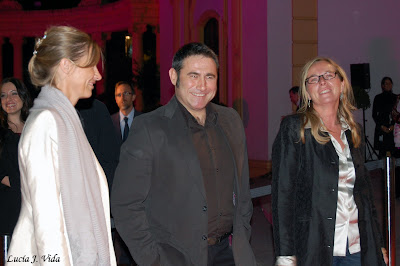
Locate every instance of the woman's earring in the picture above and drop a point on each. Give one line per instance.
(341, 96)
(309, 103)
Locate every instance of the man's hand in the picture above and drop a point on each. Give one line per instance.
(385, 255)
(6, 181)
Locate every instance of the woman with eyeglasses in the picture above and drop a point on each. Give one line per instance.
(14, 109)
(322, 203)
(65, 213)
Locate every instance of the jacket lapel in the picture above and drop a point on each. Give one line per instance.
(180, 134)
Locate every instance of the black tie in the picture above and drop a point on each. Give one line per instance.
(126, 129)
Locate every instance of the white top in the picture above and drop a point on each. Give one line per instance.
(346, 226)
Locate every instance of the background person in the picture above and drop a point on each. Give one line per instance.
(124, 96)
(322, 204)
(101, 135)
(15, 104)
(65, 203)
(381, 113)
(294, 98)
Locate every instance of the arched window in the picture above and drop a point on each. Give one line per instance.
(211, 36)
(212, 32)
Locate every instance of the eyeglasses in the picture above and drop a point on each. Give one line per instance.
(326, 76)
(125, 93)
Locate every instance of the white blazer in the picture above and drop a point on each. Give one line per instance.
(40, 236)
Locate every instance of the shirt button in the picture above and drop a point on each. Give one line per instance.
(328, 246)
(204, 208)
(332, 190)
(204, 237)
(217, 170)
(329, 218)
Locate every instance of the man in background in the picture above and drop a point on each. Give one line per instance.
(100, 133)
(294, 98)
(122, 120)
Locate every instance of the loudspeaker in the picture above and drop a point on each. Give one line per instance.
(360, 76)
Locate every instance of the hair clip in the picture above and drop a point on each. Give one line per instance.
(39, 42)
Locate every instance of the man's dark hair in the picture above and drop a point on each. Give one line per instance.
(294, 89)
(125, 83)
(191, 49)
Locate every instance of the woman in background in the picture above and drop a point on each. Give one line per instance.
(15, 104)
(65, 205)
(322, 203)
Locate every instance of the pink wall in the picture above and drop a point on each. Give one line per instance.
(255, 76)
(367, 32)
(279, 16)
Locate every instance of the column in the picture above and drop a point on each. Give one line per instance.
(17, 42)
(137, 58)
(1, 57)
(304, 35)
(176, 9)
(237, 83)
(157, 32)
(137, 45)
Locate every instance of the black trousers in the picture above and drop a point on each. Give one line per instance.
(220, 254)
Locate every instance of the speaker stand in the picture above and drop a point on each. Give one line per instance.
(369, 149)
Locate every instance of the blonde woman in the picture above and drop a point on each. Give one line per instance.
(322, 204)
(64, 217)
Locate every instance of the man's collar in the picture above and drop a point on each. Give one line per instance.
(211, 114)
(130, 115)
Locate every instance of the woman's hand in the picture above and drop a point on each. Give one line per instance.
(6, 181)
(385, 255)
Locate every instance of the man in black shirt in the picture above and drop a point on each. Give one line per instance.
(182, 186)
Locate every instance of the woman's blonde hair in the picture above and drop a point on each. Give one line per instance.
(346, 105)
(61, 42)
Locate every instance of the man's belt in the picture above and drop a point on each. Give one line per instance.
(216, 240)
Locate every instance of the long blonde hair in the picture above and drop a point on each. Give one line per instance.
(60, 42)
(345, 109)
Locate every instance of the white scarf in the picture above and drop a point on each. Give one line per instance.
(79, 182)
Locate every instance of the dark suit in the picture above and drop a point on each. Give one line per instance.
(304, 198)
(116, 122)
(158, 199)
(99, 131)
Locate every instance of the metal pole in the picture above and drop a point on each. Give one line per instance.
(5, 239)
(390, 208)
